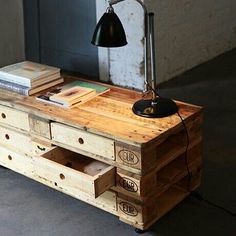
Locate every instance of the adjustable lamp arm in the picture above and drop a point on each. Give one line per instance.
(113, 2)
(109, 32)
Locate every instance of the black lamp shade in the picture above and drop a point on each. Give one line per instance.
(109, 32)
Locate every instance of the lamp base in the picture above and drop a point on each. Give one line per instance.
(158, 108)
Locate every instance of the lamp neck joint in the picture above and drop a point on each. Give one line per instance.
(110, 9)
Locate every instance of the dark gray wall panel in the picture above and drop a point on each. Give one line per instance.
(31, 23)
(66, 28)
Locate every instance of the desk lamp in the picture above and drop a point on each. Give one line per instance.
(110, 32)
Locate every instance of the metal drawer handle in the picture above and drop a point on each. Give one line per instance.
(9, 157)
(7, 136)
(81, 141)
(41, 148)
(3, 115)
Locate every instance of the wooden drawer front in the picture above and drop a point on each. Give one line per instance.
(40, 126)
(12, 117)
(83, 140)
(24, 165)
(16, 162)
(106, 201)
(15, 140)
(72, 171)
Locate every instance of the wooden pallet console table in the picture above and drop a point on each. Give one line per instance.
(103, 154)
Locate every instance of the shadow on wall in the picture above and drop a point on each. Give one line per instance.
(61, 33)
(12, 32)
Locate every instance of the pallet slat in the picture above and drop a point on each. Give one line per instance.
(142, 215)
(132, 167)
(25, 165)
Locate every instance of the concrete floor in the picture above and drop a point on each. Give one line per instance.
(31, 209)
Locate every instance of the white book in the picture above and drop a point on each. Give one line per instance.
(27, 73)
(28, 91)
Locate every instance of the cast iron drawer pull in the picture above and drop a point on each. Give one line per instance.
(7, 136)
(9, 157)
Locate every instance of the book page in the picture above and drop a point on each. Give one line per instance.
(28, 70)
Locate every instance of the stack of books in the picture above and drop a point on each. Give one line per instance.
(27, 78)
(72, 94)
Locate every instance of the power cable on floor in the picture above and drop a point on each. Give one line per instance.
(200, 198)
(195, 194)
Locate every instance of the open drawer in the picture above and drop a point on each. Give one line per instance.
(71, 171)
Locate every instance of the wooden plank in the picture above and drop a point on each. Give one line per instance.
(132, 130)
(192, 122)
(130, 211)
(133, 185)
(13, 117)
(15, 140)
(96, 157)
(123, 111)
(92, 122)
(156, 156)
(128, 155)
(25, 165)
(73, 171)
(83, 140)
(142, 215)
(106, 201)
(40, 126)
(157, 181)
(104, 181)
(17, 162)
(132, 157)
(152, 176)
(149, 158)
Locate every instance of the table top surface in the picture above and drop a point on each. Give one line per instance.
(109, 115)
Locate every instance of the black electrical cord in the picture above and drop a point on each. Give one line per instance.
(195, 194)
(186, 150)
(199, 197)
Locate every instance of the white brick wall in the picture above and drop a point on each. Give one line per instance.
(188, 32)
(126, 63)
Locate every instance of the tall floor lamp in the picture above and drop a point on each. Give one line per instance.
(110, 32)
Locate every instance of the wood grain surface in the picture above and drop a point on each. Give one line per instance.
(109, 115)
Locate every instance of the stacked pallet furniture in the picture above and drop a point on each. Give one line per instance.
(103, 154)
